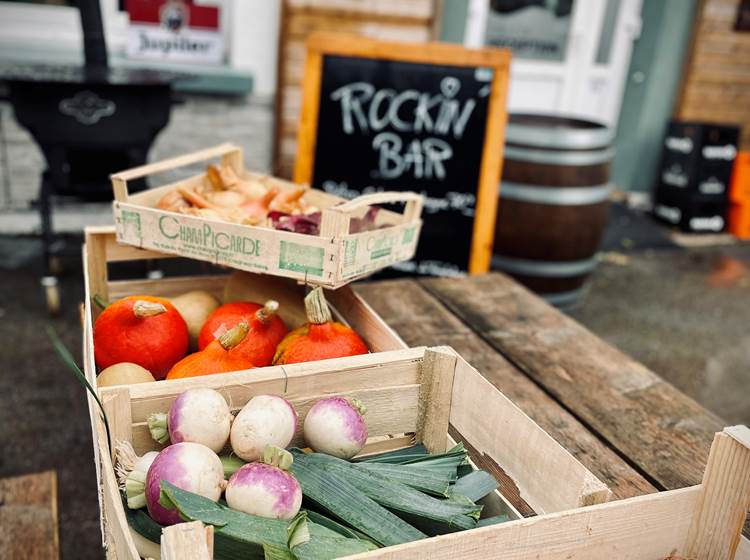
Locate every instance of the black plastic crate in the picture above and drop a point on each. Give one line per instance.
(698, 158)
(690, 212)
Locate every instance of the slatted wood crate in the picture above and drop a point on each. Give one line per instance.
(390, 380)
(411, 395)
(331, 259)
(394, 20)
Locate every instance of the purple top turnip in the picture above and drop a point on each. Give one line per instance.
(190, 466)
(264, 420)
(264, 490)
(335, 426)
(197, 415)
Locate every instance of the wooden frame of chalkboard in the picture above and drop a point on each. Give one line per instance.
(322, 45)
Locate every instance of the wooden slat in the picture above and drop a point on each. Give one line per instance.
(116, 404)
(95, 264)
(551, 479)
(511, 493)
(725, 497)
(168, 287)
(390, 411)
(661, 430)
(179, 161)
(494, 503)
(420, 319)
(187, 540)
(643, 528)
(117, 537)
(293, 381)
(378, 445)
(435, 395)
(28, 517)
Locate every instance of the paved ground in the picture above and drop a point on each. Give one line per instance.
(43, 413)
(681, 312)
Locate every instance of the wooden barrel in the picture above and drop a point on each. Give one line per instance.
(554, 202)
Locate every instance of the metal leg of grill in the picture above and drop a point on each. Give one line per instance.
(51, 261)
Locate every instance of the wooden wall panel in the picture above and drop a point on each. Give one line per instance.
(716, 87)
(397, 20)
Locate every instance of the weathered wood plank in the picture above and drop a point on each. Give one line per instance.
(725, 497)
(420, 320)
(645, 527)
(187, 540)
(658, 428)
(28, 517)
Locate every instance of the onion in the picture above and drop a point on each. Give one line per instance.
(190, 466)
(195, 307)
(124, 373)
(266, 489)
(197, 415)
(264, 420)
(335, 426)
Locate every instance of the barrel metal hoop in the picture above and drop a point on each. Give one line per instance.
(545, 269)
(561, 138)
(563, 299)
(557, 196)
(590, 157)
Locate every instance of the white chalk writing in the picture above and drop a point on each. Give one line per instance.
(366, 109)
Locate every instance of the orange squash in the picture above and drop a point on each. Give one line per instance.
(321, 338)
(144, 330)
(266, 329)
(221, 356)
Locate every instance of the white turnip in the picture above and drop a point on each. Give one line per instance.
(264, 420)
(335, 426)
(190, 466)
(131, 473)
(197, 415)
(266, 489)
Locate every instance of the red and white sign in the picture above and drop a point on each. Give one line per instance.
(174, 31)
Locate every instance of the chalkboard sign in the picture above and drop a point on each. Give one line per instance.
(420, 117)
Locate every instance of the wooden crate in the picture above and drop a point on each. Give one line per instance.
(101, 250)
(332, 259)
(396, 387)
(394, 20)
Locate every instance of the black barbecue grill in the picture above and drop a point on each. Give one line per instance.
(89, 121)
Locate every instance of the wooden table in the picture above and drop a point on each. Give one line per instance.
(28, 517)
(628, 426)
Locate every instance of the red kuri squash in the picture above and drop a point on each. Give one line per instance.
(321, 338)
(266, 329)
(144, 330)
(221, 356)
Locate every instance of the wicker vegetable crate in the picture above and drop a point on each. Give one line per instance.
(331, 259)
(411, 395)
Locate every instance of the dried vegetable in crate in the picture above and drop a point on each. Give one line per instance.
(224, 195)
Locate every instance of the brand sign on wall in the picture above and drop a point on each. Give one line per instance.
(174, 31)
